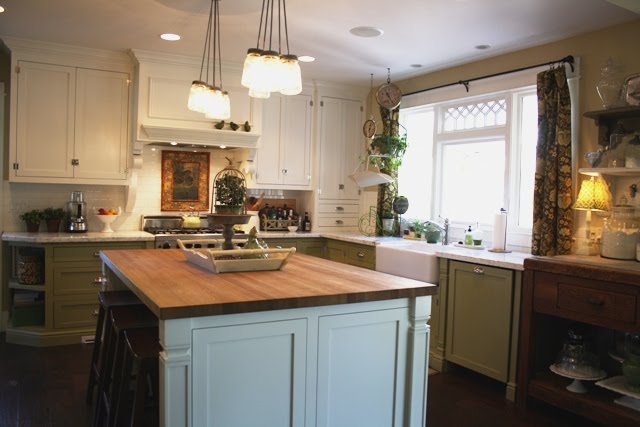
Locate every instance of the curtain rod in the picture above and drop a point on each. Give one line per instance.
(567, 59)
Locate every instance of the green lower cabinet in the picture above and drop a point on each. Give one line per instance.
(352, 253)
(282, 243)
(482, 320)
(313, 246)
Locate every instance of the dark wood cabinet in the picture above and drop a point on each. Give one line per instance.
(603, 296)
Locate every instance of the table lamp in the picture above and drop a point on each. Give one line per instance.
(593, 196)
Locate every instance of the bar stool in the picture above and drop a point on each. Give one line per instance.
(140, 362)
(121, 319)
(107, 300)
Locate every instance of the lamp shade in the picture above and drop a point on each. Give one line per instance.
(593, 195)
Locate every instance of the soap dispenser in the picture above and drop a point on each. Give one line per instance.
(468, 237)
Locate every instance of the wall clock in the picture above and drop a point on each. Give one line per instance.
(369, 128)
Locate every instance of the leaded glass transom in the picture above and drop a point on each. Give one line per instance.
(475, 116)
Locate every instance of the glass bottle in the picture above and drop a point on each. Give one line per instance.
(632, 152)
(620, 233)
(609, 87)
(616, 153)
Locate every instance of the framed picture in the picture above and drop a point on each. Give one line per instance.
(632, 89)
(185, 181)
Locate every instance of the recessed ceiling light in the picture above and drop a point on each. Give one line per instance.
(366, 31)
(482, 46)
(1, 9)
(170, 37)
(415, 65)
(306, 58)
(174, 143)
(223, 147)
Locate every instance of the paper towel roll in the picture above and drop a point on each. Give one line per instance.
(499, 231)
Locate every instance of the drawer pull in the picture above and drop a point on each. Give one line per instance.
(96, 254)
(98, 281)
(598, 302)
(95, 312)
(478, 270)
(360, 254)
(339, 208)
(339, 221)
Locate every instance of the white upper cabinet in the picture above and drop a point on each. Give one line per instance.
(341, 145)
(284, 156)
(69, 118)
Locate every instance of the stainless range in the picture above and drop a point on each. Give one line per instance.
(167, 229)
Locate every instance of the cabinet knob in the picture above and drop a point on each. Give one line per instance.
(339, 222)
(341, 187)
(96, 254)
(75, 162)
(478, 270)
(360, 254)
(99, 280)
(95, 312)
(284, 171)
(339, 208)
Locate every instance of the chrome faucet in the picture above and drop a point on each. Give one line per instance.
(444, 229)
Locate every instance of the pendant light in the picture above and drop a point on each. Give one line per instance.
(265, 69)
(204, 97)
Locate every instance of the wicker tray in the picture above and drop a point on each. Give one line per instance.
(235, 260)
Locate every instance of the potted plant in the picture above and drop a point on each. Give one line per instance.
(33, 219)
(53, 217)
(230, 191)
(431, 233)
(418, 228)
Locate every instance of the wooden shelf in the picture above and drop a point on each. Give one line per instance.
(13, 284)
(597, 404)
(628, 172)
(607, 120)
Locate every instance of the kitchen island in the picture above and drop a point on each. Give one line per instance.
(316, 343)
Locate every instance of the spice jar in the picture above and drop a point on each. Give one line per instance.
(620, 234)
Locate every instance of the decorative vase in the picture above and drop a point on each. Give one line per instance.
(53, 225)
(610, 85)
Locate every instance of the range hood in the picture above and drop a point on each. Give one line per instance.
(212, 138)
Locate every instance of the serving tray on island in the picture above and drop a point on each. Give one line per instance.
(217, 260)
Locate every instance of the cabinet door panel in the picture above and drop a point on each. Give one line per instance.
(479, 304)
(75, 313)
(353, 146)
(45, 117)
(102, 111)
(268, 155)
(250, 375)
(296, 140)
(361, 369)
(331, 150)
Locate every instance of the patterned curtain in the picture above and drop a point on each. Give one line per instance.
(552, 213)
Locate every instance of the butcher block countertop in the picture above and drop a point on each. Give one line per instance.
(173, 288)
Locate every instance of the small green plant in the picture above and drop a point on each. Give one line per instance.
(431, 227)
(53, 213)
(34, 216)
(230, 190)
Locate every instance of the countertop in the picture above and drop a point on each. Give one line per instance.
(90, 236)
(174, 288)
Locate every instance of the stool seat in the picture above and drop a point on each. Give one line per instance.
(108, 300)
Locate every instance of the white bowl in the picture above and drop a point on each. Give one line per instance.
(293, 228)
(106, 221)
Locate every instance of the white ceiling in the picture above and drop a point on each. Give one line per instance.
(433, 33)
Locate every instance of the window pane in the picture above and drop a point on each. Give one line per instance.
(473, 181)
(415, 173)
(475, 116)
(528, 139)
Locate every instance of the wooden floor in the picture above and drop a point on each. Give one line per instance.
(45, 387)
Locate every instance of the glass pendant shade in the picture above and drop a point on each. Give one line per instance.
(219, 107)
(266, 70)
(291, 82)
(198, 96)
(251, 64)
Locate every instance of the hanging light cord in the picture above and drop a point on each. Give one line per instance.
(286, 29)
(205, 50)
(260, 27)
(216, 28)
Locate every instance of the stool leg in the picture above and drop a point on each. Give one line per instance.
(110, 350)
(97, 341)
(119, 381)
(137, 414)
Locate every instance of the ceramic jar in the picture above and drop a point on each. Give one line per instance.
(620, 234)
(609, 87)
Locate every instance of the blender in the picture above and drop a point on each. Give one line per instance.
(76, 209)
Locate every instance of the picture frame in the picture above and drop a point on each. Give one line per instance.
(632, 89)
(185, 181)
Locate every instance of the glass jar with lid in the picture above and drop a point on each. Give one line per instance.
(620, 233)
